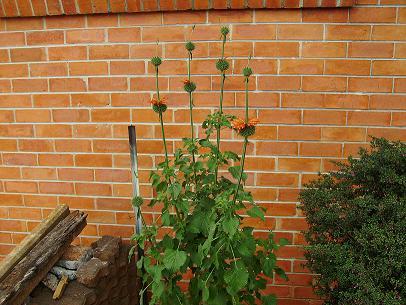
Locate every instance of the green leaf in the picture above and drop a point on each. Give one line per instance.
(283, 242)
(205, 293)
(268, 266)
(256, 212)
(175, 189)
(230, 225)
(235, 171)
(174, 259)
(236, 277)
(279, 271)
(268, 299)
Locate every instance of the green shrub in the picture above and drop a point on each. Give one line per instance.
(357, 228)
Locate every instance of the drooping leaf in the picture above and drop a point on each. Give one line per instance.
(268, 299)
(174, 259)
(236, 277)
(256, 212)
(230, 225)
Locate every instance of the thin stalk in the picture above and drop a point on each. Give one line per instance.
(244, 149)
(223, 78)
(161, 118)
(191, 118)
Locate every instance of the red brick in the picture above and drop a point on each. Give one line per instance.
(67, 84)
(84, 36)
(343, 134)
(324, 83)
(67, 53)
(277, 179)
(276, 49)
(320, 149)
(70, 115)
(279, 83)
(69, 7)
(45, 37)
(388, 32)
(53, 130)
(388, 102)
(39, 173)
(58, 22)
(35, 145)
(92, 131)
(299, 164)
(348, 32)
(325, 15)
(363, 84)
(13, 70)
(51, 100)
(400, 85)
(12, 39)
(9, 173)
(370, 49)
(56, 188)
(28, 54)
(93, 189)
(398, 119)
(97, 20)
(93, 160)
(362, 118)
(55, 160)
(323, 117)
(301, 66)
(88, 68)
(19, 159)
(280, 116)
(33, 115)
(347, 67)
(109, 52)
(30, 85)
(48, 69)
(299, 133)
(73, 145)
(20, 187)
(302, 31)
(6, 116)
(255, 32)
(373, 14)
(124, 35)
(389, 67)
(324, 49)
(22, 23)
(169, 33)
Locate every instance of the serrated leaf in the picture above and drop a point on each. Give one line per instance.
(281, 273)
(256, 212)
(175, 189)
(236, 278)
(268, 266)
(268, 299)
(174, 259)
(230, 225)
(235, 171)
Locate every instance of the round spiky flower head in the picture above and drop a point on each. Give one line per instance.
(159, 104)
(247, 71)
(225, 30)
(137, 201)
(222, 65)
(156, 61)
(189, 86)
(245, 129)
(190, 46)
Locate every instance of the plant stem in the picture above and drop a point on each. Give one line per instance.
(191, 119)
(244, 149)
(161, 118)
(223, 78)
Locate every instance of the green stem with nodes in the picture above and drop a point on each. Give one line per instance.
(191, 118)
(223, 78)
(244, 149)
(161, 118)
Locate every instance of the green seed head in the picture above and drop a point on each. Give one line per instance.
(224, 31)
(137, 201)
(159, 108)
(189, 87)
(247, 71)
(248, 131)
(222, 65)
(190, 46)
(156, 61)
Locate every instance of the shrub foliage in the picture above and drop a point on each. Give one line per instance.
(357, 228)
(199, 234)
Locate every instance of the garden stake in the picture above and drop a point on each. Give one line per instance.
(132, 138)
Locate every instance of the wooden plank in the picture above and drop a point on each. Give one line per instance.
(31, 240)
(60, 288)
(29, 272)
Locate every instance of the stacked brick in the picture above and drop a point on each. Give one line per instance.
(107, 279)
(27, 8)
(325, 81)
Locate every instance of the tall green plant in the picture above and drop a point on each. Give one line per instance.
(198, 234)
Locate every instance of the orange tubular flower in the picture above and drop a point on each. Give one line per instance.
(243, 128)
(159, 104)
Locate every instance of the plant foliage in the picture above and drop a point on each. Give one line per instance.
(357, 219)
(198, 235)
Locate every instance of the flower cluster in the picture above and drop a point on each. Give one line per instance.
(159, 104)
(244, 128)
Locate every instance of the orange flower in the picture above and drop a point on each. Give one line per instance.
(238, 124)
(159, 101)
(186, 82)
(252, 122)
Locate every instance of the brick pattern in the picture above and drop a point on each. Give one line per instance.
(325, 80)
(28, 8)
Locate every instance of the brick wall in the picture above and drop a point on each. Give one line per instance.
(325, 80)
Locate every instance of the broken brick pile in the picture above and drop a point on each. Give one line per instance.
(107, 278)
